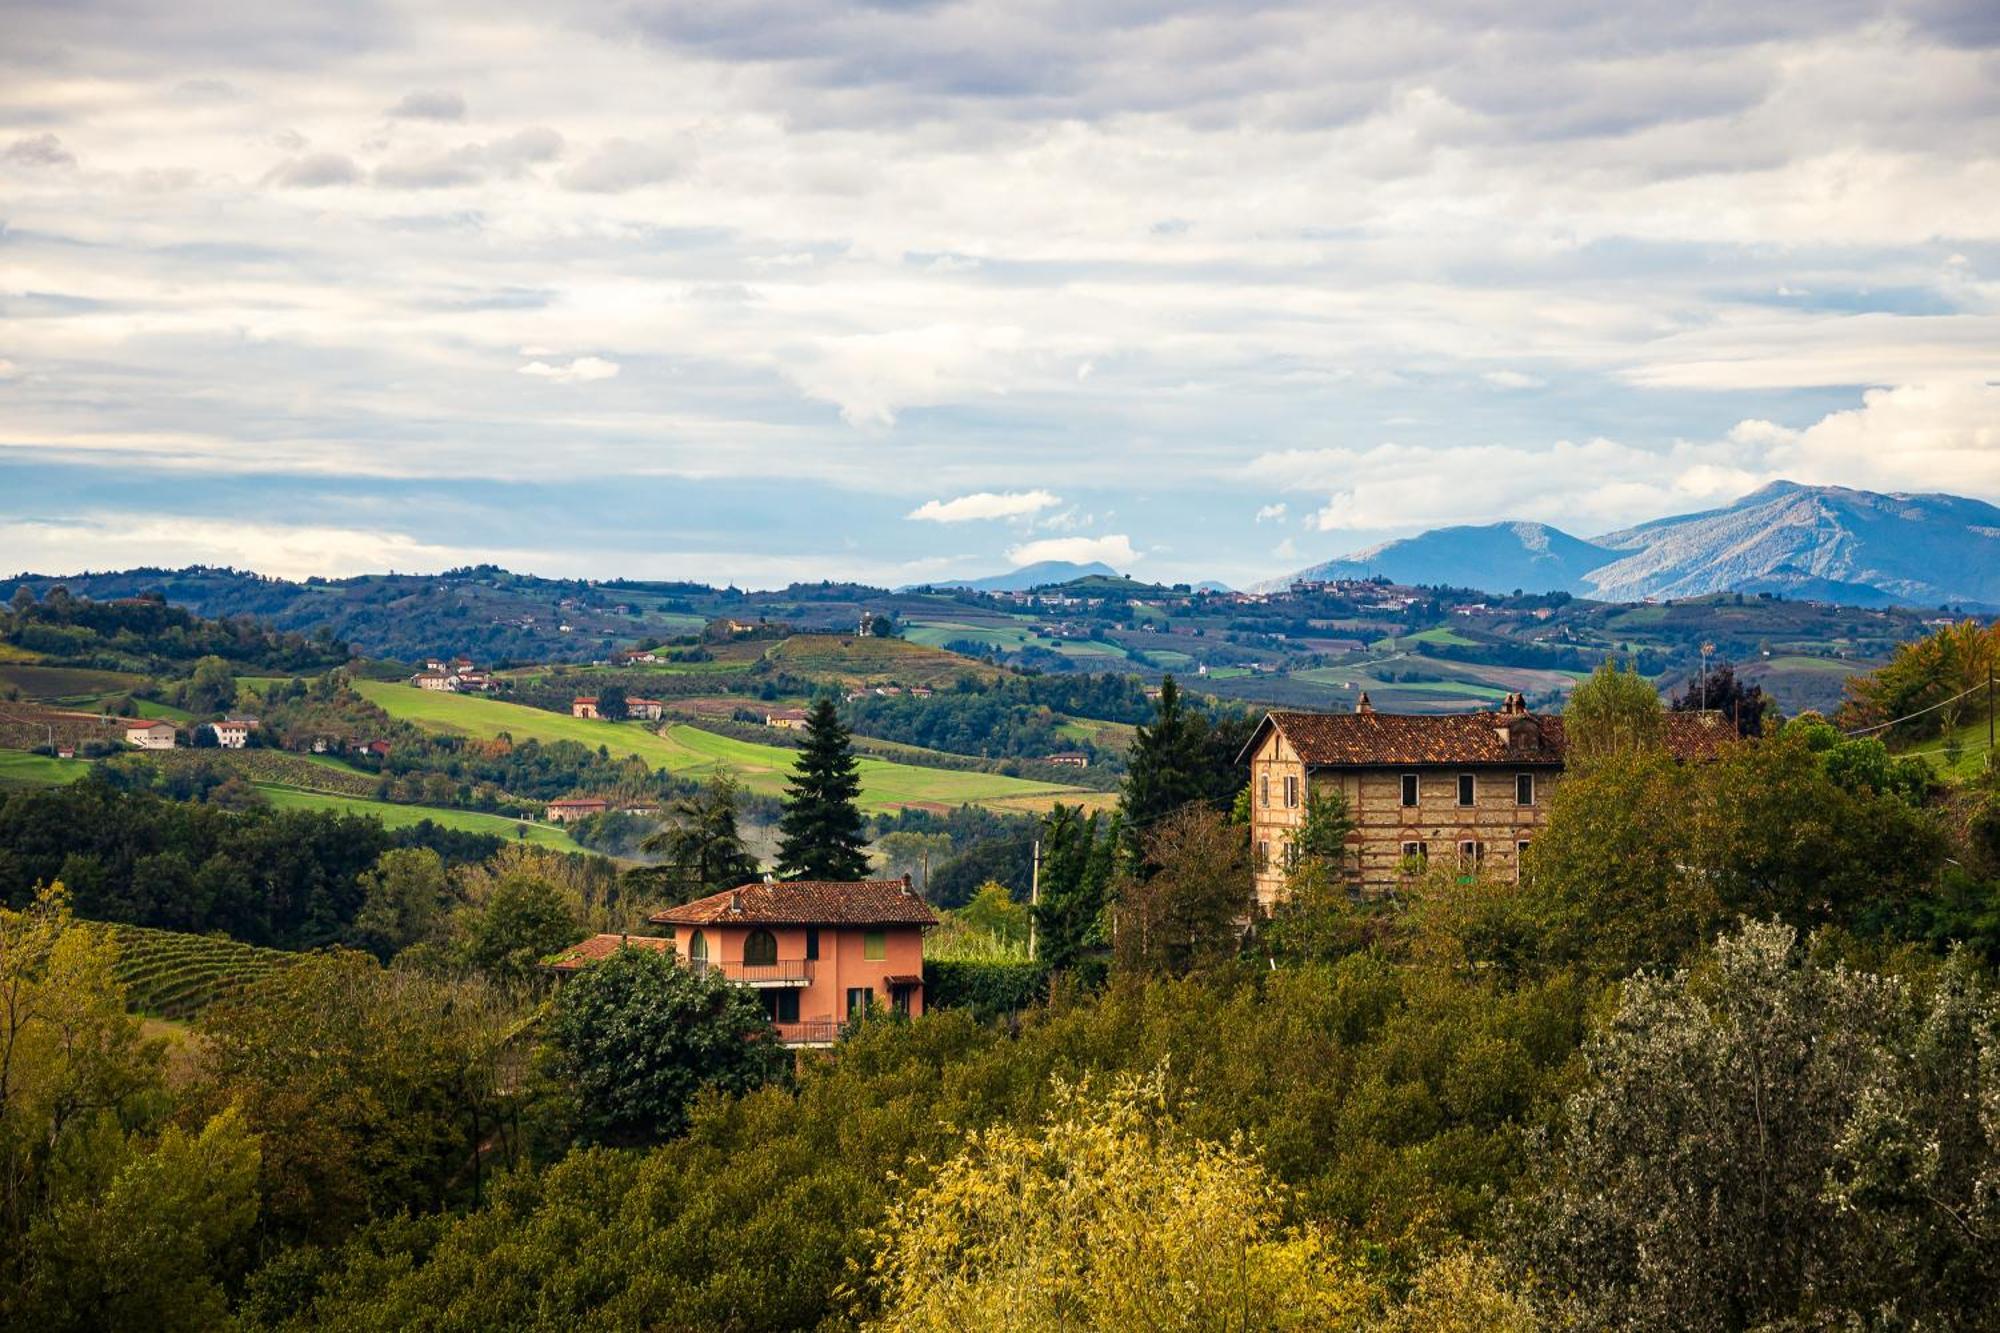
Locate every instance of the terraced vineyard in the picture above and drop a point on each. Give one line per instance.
(174, 975)
(277, 767)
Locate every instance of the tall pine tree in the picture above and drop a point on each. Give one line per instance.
(820, 833)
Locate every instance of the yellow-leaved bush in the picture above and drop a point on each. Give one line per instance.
(1106, 1218)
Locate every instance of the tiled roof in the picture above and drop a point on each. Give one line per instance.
(143, 723)
(807, 902)
(1372, 739)
(581, 800)
(600, 947)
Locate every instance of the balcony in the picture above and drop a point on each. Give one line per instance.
(785, 972)
(811, 1032)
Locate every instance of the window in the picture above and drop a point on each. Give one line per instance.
(1291, 791)
(900, 998)
(1468, 789)
(1289, 853)
(698, 949)
(1264, 790)
(782, 1005)
(1263, 854)
(1524, 789)
(1521, 847)
(1409, 789)
(1470, 854)
(812, 942)
(760, 949)
(875, 946)
(858, 998)
(1415, 851)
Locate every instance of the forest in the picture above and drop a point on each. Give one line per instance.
(1726, 1056)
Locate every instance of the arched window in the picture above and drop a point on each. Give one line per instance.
(698, 949)
(760, 949)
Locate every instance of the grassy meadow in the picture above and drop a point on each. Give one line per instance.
(688, 751)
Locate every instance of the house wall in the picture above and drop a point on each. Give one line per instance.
(1273, 824)
(147, 740)
(1495, 820)
(841, 961)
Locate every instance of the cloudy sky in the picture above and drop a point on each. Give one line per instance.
(771, 289)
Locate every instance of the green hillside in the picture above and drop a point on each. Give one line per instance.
(395, 816)
(688, 751)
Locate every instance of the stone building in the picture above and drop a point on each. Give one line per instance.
(1472, 787)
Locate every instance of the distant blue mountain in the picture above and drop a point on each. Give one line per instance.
(1496, 557)
(1038, 575)
(1825, 543)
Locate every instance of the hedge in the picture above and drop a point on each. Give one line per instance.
(989, 989)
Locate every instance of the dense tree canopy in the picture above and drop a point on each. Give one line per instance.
(821, 833)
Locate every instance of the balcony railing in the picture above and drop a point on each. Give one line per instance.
(785, 972)
(811, 1032)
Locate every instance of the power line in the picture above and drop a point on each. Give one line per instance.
(1881, 726)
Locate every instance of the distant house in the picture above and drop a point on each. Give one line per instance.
(472, 682)
(649, 709)
(437, 665)
(435, 680)
(819, 953)
(572, 808)
(1069, 759)
(148, 733)
(785, 719)
(643, 655)
(920, 692)
(583, 707)
(233, 733)
(380, 749)
(65, 752)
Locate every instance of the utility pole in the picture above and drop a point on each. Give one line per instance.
(1989, 715)
(1706, 649)
(1034, 897)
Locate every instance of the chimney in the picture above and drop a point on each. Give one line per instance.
(1362, 705)
(908, 886)
(768, 879)
(736, 900)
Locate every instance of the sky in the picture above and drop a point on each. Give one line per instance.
(757, 291)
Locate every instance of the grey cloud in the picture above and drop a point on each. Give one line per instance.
(38, 150)
(622, 164)
(429, 105)
(472, 163)
(315, 170)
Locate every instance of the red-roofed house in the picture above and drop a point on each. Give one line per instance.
(233, 733)
(148, 733)
(1470, 786)
(572, 808)
(581, 706)
(819, 951)
(786, 719)
(649, 709)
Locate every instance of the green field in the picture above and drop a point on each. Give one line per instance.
(1436, 634)
(18, 768)
(687, 751)
(394, 816)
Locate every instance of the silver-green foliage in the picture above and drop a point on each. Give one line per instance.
(1770, 1140)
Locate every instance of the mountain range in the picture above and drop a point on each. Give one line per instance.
(1824, 543)
(1041, 574)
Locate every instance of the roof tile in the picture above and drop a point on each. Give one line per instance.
(1372, 739)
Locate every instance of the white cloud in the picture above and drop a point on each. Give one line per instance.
(622, 164)
(1917, 437)
(114, 540)
(1272, 513)
(1512, 379)
(985, 504)
(579, 371)
(316, 171)
(1115, 551)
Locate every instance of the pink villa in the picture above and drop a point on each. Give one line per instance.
(819, 953)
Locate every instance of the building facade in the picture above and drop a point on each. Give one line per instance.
(820, 953)
(1469, 788)
(149, 735)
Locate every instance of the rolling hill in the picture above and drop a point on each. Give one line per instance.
(1494, 556)
(1041, 574)
(688, 751)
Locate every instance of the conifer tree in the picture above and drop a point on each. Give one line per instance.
(820, 833)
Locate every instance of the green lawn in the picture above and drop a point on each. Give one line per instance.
(402, 816)
(1436, 634)
(691, 752)
(19, 768)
